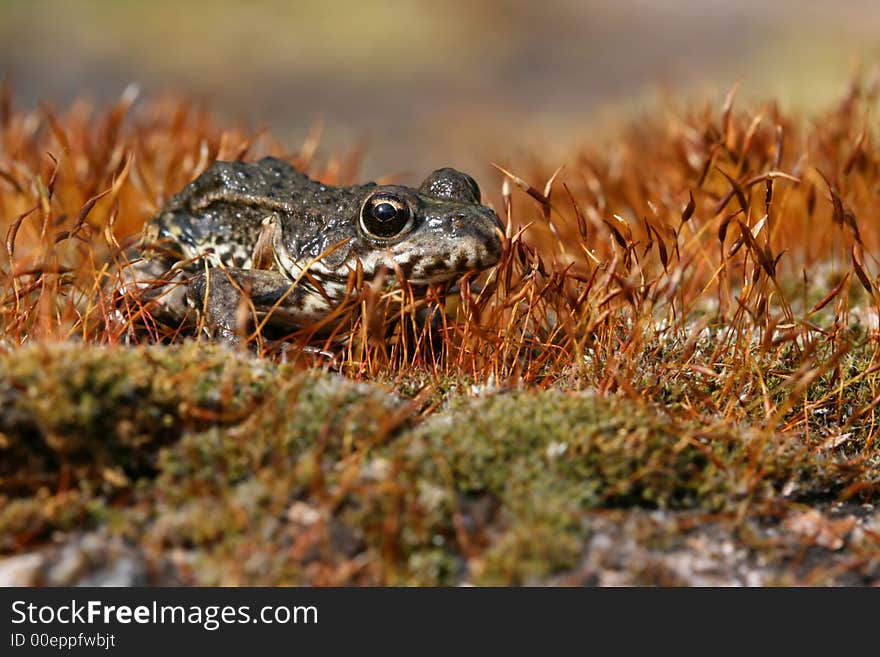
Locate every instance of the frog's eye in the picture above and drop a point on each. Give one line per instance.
(385, 215)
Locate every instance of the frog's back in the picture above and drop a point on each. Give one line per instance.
(222, 210)
(268, 183)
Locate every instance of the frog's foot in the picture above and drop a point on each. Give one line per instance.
(154, 287)
(233, 302)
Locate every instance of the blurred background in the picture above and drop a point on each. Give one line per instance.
(428, 84)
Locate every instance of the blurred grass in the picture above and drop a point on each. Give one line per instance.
(456, 83)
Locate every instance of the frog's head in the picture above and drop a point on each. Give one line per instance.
(434, 233)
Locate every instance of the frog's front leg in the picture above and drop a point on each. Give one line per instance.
(152, 286)
(232, 301)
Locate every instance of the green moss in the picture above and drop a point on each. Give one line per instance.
(30, 520)
(573, 447)
(548, 457)
(229, 492)
(529, 551)
(262, 474)
(91, 410)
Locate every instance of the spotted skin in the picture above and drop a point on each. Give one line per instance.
(265, 229)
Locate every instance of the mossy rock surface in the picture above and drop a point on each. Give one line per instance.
(239, 471)
(91, 408)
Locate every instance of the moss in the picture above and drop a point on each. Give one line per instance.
(573, 447)
(102, 413)
(528, 552)
(545, 458)
(31, 520)
(229, 491)
(248, 471)
(263, 474)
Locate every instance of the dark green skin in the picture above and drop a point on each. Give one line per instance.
(202, 249)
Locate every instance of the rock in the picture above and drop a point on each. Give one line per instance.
(92, 559)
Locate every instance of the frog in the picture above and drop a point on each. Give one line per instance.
(266, 231)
